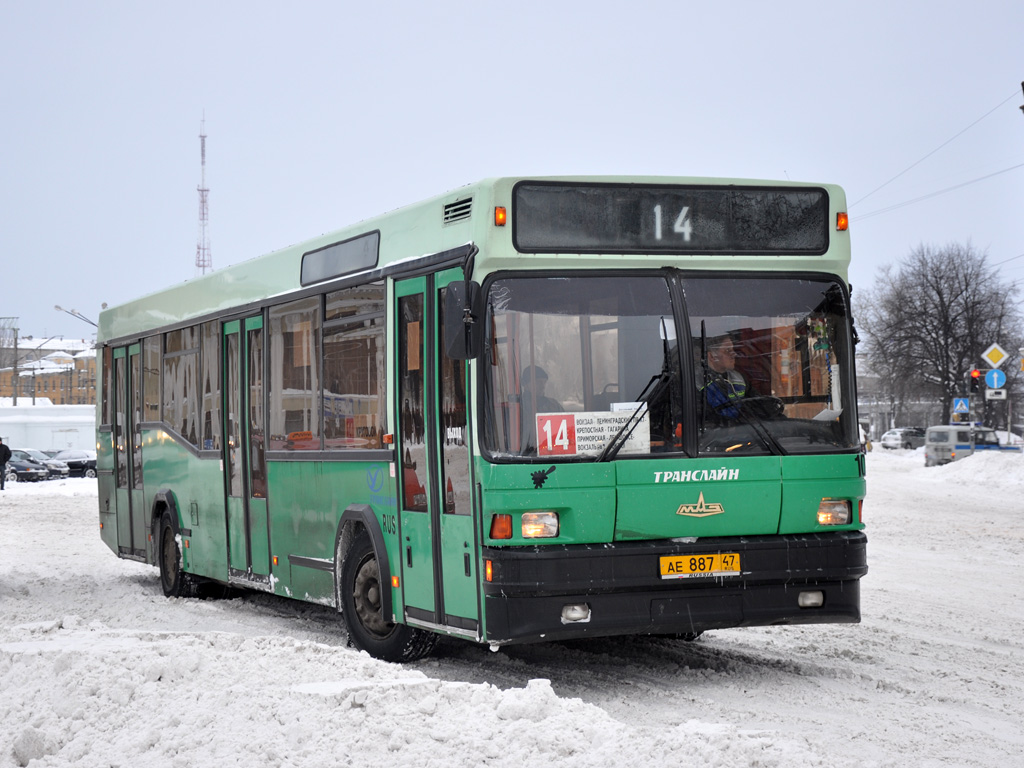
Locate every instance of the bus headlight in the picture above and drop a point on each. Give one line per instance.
(834, 512)
(540, 524)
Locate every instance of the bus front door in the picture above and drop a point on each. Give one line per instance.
(438, 538)
(245, 464)
(132, 531)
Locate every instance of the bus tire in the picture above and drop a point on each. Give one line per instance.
(360, 590)
(174, 581)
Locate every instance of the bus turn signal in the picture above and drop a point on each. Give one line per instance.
(501, 527)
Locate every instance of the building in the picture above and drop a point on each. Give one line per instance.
(63, 371)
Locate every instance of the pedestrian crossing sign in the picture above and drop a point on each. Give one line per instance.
(961, 405)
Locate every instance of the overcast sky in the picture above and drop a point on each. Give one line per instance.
(320, 114)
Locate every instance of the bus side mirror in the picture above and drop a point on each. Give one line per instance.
(463, 320)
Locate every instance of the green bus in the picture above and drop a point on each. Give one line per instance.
(530, 409)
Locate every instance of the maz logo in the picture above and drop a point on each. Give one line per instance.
(701, 509)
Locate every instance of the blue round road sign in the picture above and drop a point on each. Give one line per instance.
(995, 379)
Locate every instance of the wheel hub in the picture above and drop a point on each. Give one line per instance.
(367, 598)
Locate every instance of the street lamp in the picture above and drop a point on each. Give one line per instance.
(75, 313)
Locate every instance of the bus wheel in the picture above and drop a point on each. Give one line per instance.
(360, 590)
(175, 582)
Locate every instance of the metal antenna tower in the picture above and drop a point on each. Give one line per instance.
(204, 260)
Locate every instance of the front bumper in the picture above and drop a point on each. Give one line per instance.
(620, 584)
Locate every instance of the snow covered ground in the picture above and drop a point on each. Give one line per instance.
(97, 668)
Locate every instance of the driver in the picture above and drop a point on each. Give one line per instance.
(726, 386)
(533, 400)
(534, 380)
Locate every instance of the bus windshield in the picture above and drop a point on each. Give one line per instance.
(771, 361)
(591, 368)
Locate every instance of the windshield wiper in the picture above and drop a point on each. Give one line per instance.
(616, 441)
(773, 445)
(706, 375)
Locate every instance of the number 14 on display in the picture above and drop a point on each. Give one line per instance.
(683, 225)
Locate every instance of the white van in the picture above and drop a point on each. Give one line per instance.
(947, 443)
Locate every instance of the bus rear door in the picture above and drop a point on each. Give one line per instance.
(438, 536)
(245, 463)
(132, 530)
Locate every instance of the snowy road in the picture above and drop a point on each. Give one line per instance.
(97, 668)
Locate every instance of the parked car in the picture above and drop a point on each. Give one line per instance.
(80, 463)
(903, 437)
(21, 470)
(947, 443)
(56, 469)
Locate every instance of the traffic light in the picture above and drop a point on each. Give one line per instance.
(975, 380)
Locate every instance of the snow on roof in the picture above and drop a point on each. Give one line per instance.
(56, 344)
(36, 367)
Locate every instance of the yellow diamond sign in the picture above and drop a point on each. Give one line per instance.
(994, 355)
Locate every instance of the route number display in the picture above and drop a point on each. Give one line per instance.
(587, 433)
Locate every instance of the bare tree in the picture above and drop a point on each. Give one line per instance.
(928, 319)
(8, 341)
(889, 359)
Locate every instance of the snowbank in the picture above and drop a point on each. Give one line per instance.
(97, 668)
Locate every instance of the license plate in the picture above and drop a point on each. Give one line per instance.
(696, 566)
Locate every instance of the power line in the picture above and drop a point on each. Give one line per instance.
(914, 165)
(1012, 258)
(937, 193)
